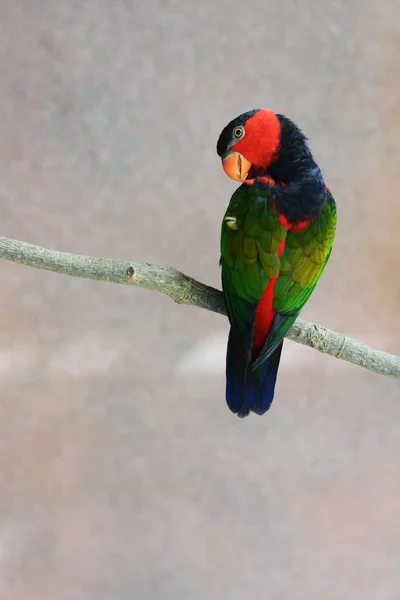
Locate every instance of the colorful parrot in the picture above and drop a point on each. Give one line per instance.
(277, 236)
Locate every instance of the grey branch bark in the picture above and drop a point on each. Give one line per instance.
(186, 290)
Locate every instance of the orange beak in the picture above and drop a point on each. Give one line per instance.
(236, 166)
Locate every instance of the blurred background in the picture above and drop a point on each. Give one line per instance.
(123, 474)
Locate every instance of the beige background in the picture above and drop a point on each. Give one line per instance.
(123, 474)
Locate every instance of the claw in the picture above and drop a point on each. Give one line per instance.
(231, 222)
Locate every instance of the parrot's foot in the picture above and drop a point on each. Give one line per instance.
(231, 222)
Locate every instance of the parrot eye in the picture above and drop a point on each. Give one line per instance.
(238, 132)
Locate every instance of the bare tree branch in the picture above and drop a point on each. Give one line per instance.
(185, 290)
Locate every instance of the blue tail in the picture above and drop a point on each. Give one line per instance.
(248, 390)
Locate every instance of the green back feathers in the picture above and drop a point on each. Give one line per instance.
(250, 237)
(303, 260)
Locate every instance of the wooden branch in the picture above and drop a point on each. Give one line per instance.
(186, 290)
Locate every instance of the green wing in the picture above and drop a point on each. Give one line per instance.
(250, 236)
(302, 263)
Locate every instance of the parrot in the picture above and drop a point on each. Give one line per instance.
(276, 238)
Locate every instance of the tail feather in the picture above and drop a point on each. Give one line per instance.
(247, 389)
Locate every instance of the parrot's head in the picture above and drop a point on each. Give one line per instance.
(250, 144)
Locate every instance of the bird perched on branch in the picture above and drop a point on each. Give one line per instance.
(276, 238)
